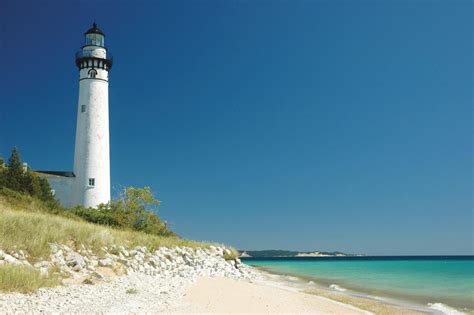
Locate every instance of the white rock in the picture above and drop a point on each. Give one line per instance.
(141, 249)
(75, 261)
(42, 264)
(106, 262)
(10, 259)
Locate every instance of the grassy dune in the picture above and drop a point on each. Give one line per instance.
(30, 225)
(26, 226)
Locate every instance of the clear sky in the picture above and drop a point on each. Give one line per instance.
(307, 125)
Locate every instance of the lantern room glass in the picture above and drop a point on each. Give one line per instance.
(95, 39)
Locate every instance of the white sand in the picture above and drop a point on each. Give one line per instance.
(224, 295)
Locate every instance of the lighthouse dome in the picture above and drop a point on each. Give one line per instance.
(94, 30)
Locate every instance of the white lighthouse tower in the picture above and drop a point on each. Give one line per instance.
(91, 185)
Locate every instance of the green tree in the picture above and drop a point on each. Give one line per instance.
(30, 184)
(3, 178)
(44, 192)
(2, 172)
(136, 208)
(132, 206)
(16, 178)
(15, 174)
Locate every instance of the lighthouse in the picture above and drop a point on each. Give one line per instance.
(91, 185)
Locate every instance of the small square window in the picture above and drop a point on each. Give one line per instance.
(91, 182)
(83, 108)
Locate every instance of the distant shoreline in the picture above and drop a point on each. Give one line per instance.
(364, 257)
(289, 253)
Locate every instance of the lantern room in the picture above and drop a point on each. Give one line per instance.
(94, 36)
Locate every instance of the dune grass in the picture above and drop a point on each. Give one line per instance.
(234, 254)
(33, 232)
(24, 279)
(26, 225)
(131, 291)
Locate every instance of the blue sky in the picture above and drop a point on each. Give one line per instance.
(307, 125)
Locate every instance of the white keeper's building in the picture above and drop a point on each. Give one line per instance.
(89, 182)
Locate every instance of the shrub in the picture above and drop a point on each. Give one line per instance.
(103, 215)
(134, 209)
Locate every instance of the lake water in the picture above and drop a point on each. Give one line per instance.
(437, 281)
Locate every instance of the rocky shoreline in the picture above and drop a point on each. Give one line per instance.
(120, 280)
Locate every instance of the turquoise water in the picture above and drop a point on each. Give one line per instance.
(422, 280)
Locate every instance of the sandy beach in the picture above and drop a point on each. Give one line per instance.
(224, 295)
(203, 294)
(177, 280)
(218, 295)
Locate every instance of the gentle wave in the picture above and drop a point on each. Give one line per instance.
(335, 287)
(444, 309)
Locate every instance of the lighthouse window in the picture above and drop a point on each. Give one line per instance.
(95, 39)
(92, 73)
(83, 108)
(91, 182)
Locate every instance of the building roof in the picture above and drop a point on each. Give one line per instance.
(57, 173)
